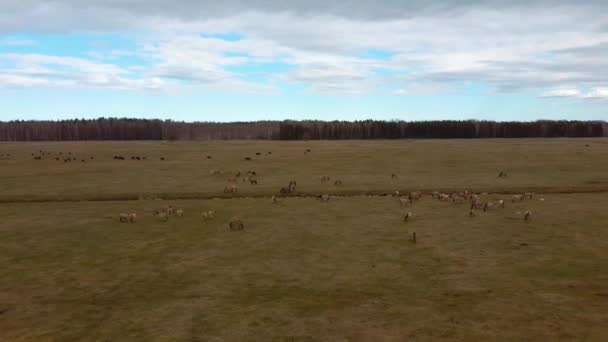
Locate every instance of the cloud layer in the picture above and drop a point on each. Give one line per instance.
(549, 48)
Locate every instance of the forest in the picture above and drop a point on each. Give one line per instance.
(144, 129)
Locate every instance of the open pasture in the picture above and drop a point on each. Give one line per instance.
(362, 166)
(303, 269)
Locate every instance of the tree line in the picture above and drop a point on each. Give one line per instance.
(142, 129)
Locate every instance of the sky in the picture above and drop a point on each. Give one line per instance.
(246, 60)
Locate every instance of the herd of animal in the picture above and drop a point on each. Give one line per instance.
(250, 176)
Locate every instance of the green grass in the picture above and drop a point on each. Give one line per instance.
(303, 270)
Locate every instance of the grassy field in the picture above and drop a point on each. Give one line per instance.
(303, 270)
(541, 164)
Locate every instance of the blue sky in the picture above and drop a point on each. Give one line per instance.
(288, 60)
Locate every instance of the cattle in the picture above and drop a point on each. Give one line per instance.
(477, 205)
(236, 224)
(132, 217)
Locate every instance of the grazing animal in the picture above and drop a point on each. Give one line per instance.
(477, 205)
(404, 201)
(274, 199)
(528, 215)
(338, 182)
(208, 215)
(161, 215)
(396, 193)
(324, 198)
(132, 217)
(458, 199)
(407, 216)
(517, 198)
(502, 174)
(123, 217)
(247, 158)
(324, 178)
(412, 237)
(257, 153)
(170, 210)
(444, 197)
(236, 225)
(435, 194)
(230, 188)
(292, 186)
(179, 212)
(253, 182)
(162, 158)
(415, 195)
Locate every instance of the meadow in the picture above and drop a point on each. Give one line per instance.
(302, 269)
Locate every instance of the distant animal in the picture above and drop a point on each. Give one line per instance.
(407, 216)
(179, 212)
(393, 176)
(257, 153)
(528, 215)
(170, 210)
(338, 182)
(292, 186)
(415, 195)
(208, 215)
(247, 158)
(208, 157)
(472, 212)
(274, 199)
(502, 174)
(404, 201)
(161, 215)
(232, 188)
(324, 178)
(236, 225)
(123, 217)
(435, 194)
(268, 153)
(528, 195)
(214, 172)
(412, 237)
(132, 217)
(253, 181)
(324, 198)
(162, 158)
(517, 198)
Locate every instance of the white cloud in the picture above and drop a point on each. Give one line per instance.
(437, 46)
